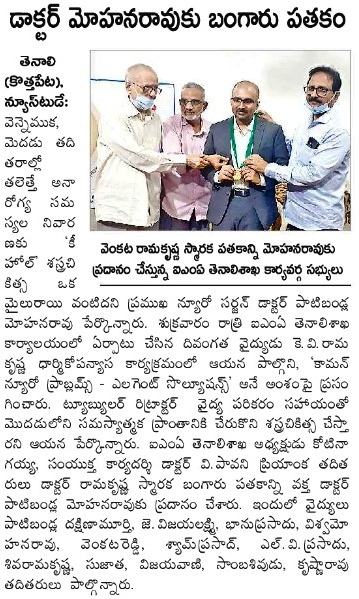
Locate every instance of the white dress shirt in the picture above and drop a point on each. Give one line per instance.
(128, 183)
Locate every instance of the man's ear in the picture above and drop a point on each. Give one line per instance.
(205, 104)
(335, 98)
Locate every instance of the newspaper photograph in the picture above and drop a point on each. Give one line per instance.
(178, 286)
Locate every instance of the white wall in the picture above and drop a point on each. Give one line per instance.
(280, 76)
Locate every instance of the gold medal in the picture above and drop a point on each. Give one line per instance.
(240, 186)
(237, 177)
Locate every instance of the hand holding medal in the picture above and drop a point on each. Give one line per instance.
(240, 180)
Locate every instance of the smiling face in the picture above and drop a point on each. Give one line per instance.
(319, 90)
(244, 102)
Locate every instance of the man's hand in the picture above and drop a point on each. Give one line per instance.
(217, 161)
(250, 176)
(196, 161)
(257, 163)
(281, 192)
(226, 173)
(265, 116)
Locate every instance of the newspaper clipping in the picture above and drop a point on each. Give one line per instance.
(178, 290)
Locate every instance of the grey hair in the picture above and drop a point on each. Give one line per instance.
(192, 85)
(132, 70)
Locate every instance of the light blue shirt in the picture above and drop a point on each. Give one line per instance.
(316, 176)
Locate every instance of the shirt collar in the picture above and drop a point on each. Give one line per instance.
(249, 127)
(323, 118)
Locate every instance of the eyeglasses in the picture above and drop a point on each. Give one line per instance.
(320, 91)
(245, 101)
(194, 103)
(147, 89)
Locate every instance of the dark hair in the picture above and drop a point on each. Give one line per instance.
(332, 73)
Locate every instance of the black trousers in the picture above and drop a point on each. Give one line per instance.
(293, 228)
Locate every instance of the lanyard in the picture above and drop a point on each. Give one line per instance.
(249, 149)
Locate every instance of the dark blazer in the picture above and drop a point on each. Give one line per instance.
(269, 143)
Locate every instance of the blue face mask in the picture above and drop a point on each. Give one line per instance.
(143, 103)
(321, 109)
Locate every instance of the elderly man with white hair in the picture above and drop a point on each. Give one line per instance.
(129, 161)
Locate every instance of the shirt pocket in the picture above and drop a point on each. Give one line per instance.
(306, 155)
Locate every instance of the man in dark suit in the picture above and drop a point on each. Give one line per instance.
(241, 199)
